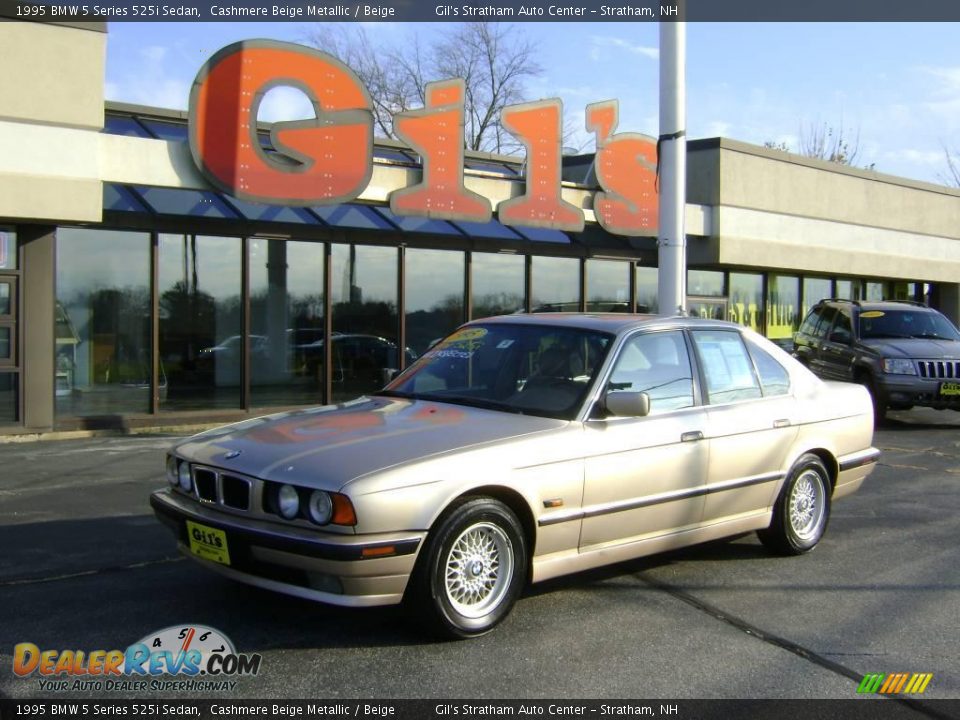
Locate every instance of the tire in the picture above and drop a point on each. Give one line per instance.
(802, 510)
(879, 406)
(471, 570)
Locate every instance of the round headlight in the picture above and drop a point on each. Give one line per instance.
(320, 507)
(288, 501)
(183, 473)
(172, 471)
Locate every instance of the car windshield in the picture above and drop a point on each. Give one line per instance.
(906, 324)
(529, 369)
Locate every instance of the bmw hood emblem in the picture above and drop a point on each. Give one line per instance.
(231, 455)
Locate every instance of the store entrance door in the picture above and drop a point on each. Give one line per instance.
(9, 363)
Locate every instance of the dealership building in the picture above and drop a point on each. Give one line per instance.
(135, 294)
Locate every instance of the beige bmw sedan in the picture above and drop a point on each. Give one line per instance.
(518, 449)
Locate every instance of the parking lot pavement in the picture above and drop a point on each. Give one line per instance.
(86, 566)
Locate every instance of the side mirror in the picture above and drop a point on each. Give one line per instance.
(627, 404)
(388, 374)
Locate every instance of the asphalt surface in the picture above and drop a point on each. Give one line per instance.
(84, 565)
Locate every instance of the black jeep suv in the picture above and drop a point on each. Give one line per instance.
(905, 353)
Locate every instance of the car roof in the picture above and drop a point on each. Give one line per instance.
(604, 322)
(880, 304)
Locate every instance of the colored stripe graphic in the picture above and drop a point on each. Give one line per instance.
(895, 683)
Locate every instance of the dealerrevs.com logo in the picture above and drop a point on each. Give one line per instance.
(200, 658)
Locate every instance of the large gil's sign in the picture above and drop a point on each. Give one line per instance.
(329, 159)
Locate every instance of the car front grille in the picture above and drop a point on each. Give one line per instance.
(939, 369)
(228, 490)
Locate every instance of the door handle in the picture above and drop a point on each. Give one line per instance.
(691, 436)
(781, 423)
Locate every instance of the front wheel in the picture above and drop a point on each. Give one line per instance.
(471, 570)
(802, 510)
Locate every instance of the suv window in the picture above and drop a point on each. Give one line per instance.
(915, 322)
(826, 320)
(842, 329)
(809, 325)
(726, 366)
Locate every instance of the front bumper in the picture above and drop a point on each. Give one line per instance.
(348, 570)
(906, 390)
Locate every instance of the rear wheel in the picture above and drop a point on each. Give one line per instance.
(802, 510)
(471, 570)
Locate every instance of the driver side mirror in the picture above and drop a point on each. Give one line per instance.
(627, 404)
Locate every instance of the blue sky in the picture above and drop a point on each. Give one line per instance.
(895, 85)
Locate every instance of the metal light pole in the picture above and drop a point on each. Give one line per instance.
(672, 238)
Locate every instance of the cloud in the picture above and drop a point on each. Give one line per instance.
(285, 103)
(604, 48)
(151, 82)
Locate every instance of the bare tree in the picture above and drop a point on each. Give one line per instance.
(492, 59)
(952, 175)
(825, 142)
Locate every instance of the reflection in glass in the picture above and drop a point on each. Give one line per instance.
(103, 361)
(647, 289)
(746, 300)
(434, 296)
(8, 398)
(6, 343)
(783, 307)
(200, 322)
(498, 284)
(6, 298)
(874, 292)
(556, 284)
(364, 297)
(846, 289)
(705, 282)
(814, 290)
(8, 249)
(286, 322)
(608, 286)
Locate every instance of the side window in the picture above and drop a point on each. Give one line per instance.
(656, 363)
(842, 330)
(726, 366)
(809, 325)
(774, 378)
(826, 320)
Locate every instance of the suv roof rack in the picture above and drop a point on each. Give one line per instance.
(858, 303)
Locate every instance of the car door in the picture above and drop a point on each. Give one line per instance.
(644, 476)
(836, 347)
(750, 426)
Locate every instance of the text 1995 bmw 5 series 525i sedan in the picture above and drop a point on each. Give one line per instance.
(518, 449)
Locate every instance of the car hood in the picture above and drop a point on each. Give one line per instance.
(919, 348)
(327, 447)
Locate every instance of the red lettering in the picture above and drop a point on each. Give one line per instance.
(626, 167)
(328, 159)
(437, 133)
(537, 125)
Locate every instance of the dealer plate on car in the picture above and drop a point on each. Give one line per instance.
(208, 543)
(950, 388)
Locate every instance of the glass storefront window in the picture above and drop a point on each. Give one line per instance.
(200, 322)
(846, 289)
(286, 322)
(608, 286)
(708, 283)
(556, 284)
(364, 296)
(8, 249)
(814, 290)
(903, 290)
(497, 283)
(103, 328)
(746, 300)
(8, 397)
(434, 296)
(647, 289)
(783, 307)
(874, 291)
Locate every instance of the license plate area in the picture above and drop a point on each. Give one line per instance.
(208, 543)
(950, 389)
